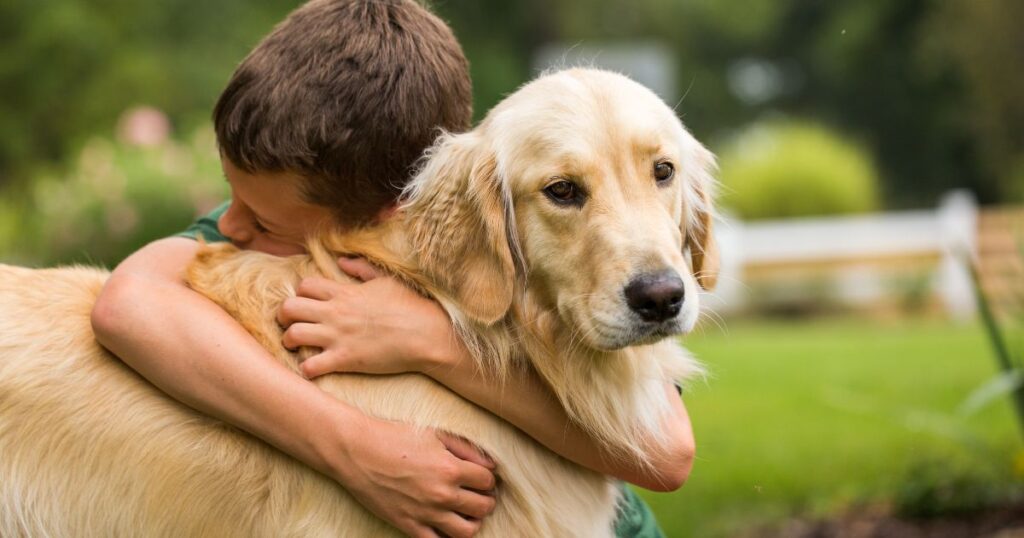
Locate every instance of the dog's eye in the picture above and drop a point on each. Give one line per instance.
(564, 192)
(664, 171)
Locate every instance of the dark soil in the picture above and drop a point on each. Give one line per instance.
(1006, 522)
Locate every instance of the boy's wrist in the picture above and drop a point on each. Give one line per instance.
(430, 356)
(333, 444)
(445, 353)
(451, 365)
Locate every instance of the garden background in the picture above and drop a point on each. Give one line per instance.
(814, 410)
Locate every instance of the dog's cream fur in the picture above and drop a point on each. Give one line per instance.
(88, 448)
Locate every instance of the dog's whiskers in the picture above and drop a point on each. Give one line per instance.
(716, 318)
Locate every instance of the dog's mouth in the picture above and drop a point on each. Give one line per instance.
(611, 324)
(616, 337)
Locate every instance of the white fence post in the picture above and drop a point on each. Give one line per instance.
(729, 293)
(958, 222)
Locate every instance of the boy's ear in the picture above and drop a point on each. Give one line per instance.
(459, 211)
(698, 228)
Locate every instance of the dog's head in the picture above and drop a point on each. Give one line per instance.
(584, 186)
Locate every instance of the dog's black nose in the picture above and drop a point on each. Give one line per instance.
(656, 296)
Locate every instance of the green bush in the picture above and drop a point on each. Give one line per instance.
(788, 169)
(949, 486)
(116, 198)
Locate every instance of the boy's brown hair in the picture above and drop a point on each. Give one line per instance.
(346, 94)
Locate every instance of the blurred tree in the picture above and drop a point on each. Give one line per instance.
(984, 43)
(498, 39)
(69, 67)
(863, 67)
(857, 66)
(931, 87)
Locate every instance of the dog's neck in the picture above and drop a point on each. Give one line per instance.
(617, 396)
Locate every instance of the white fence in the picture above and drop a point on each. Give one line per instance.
(856, 254)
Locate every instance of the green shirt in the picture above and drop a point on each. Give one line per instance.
(206, 226)
(635, 518)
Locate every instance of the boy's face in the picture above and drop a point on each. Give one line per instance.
(268, 212)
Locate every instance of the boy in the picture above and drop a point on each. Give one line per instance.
(321, 124)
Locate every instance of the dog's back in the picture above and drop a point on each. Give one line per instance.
(87, 447)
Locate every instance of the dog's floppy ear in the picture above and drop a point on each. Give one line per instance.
(698, 227)
(459, 214)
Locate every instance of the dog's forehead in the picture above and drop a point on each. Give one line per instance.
(582, 111)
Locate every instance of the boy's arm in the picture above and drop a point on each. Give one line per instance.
(381, 326)
(189, 347)
(527, 403)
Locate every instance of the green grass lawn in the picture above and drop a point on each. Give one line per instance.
(810, 417)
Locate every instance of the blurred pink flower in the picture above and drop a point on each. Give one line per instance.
(143, 126)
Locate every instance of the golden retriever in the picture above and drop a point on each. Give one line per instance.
(568, 233)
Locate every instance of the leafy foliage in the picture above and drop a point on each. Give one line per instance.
(931, 88)
(953, 485)
(116, 198)
(71, 66)
(983, 42)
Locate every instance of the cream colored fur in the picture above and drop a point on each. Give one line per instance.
(88, 448)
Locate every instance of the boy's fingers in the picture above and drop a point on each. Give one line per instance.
(315, 287)
(316, 366)
(464, 450)
(456, 526)
(474, 476)
(298, 309)
(305, 334)
(476, 505)
(358, 268)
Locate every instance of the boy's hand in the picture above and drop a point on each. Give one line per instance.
(425, 483)
(378, 326)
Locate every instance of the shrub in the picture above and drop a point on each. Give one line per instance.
(786, 169)
(950, 486)
(116, 198)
